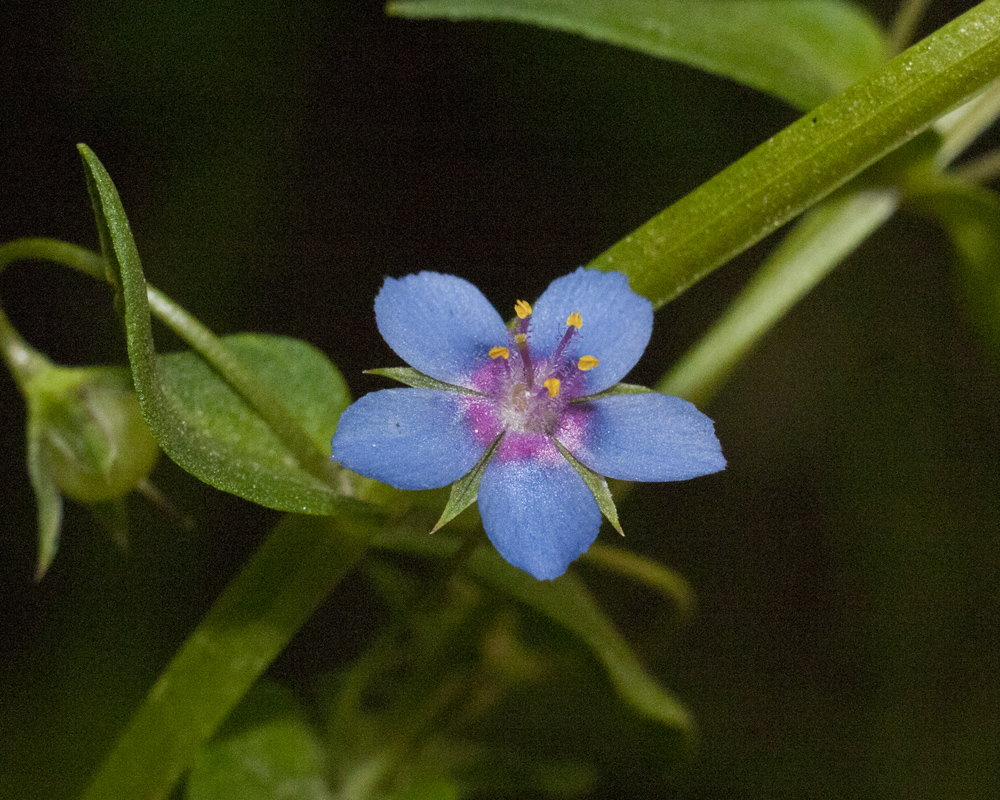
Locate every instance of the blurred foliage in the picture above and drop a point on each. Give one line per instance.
(277, 159)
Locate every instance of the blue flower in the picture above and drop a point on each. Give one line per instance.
(534, 412)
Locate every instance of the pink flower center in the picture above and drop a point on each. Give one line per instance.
(528, 398)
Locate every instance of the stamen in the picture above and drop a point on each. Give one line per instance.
(499, 352)
(522, 309)
(552, 384)
(587, 363)
(573, 323)
(521, 340)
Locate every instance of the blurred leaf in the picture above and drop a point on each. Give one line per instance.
(295, 569)
(566, 601)
(429, 789)
(198, 421)
(818, 242)
(281, 758)
(803, 51)
(971, 217)
(811, 158)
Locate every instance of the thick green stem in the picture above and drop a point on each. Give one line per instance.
(257, 615)
(807, 161)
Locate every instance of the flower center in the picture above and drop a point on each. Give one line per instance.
(532, 393)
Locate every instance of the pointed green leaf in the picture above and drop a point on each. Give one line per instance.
(412, 377)
(971, 217)
(250, 444)
(311, 388)
(598, 487)
(801, 50)
(465, 490)
(566, 601)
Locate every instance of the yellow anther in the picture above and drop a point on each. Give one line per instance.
(552, 384)
(587, 363)
(575, 320)
(522, 309)
(499, 352)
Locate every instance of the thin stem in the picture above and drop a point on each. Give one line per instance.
(904, 25)
(980, 170)
(22, 359)
(192, 331)
(825, 236)
(70, 255)
(243, 380)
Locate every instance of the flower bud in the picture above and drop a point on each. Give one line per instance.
(89, 431)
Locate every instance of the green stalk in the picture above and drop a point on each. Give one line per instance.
(301, 562)
(810, 159)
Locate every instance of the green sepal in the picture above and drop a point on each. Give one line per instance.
(465, 490)
(618, 388)
(49, 499)
(418, 380)
(598, 487)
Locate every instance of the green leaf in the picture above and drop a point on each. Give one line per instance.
(307, 383)
(598, 487)
(567, 602)
(811, 158)
(971, 217)
(251, 445)
(801, 50)
(412, 377)
(465, 490)
(282, 758)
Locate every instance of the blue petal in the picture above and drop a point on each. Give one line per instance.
(408, 438)
(539, 517)
(648, 437)
(439, 324)
(617, 323)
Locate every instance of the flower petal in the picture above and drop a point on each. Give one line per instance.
(539, 517)
(440, 324)
(617, 323)
(647, 437)
(408, 438)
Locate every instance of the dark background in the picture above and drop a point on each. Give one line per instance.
(277, 159)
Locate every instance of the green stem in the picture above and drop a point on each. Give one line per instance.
(198, 336)
(261, 609)
(824, 237)
(243, 380)
(807, 161)
(41, 249)
(24, 362)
